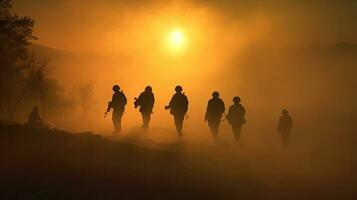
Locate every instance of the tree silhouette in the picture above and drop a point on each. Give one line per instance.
(16, 33)
(84, 92)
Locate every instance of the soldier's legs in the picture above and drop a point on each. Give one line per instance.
(146, 119)
(285, 138)
(214, 126)
(179, 123)
(116, 118)
(236, 131)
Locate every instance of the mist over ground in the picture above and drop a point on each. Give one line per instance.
(267, 53)
(314, 82)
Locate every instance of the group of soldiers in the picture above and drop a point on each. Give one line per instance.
(178, 107)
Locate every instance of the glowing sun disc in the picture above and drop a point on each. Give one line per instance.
(176, 39)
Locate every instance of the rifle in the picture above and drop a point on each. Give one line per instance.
(108, 109)
(224, 117)
(136, 103)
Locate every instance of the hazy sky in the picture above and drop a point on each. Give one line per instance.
(235, 47)
(99, 25)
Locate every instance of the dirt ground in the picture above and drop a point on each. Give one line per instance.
(53, 164)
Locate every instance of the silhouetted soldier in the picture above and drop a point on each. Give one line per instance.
(284, 127)
(214, 111)
(34, 119)
(118, 104)
(236, 118)
(146, 102)
(178, 107)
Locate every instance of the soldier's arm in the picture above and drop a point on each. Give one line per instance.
(172, 101)
(124, 99)
(170, 104)
(153, 100)
(140, 99)
(109, 106)
(278, 127)
(208, 106)
(111, 103)
(186, 103)
(228, 116)
(223, 107)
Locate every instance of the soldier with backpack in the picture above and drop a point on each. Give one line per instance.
(178, 107)
(118, 105)
(285, 125)
(146, 102)
(236, 117)
(214, 111)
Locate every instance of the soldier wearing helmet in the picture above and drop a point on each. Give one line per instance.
(34, 119)
(118, 105)
(178, 107)
(214, 111)
(236, 117)
(146, 102)
(285, 125)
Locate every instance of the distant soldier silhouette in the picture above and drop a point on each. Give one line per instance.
(118, 105)
(214, 111)
(34, 119)
(178, 107)
(146, 102)
(284, 127)
(236, 118)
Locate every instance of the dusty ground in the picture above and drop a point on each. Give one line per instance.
(43, 164)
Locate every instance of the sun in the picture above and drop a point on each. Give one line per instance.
(176, 39)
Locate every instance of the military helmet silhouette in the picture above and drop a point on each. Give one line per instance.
(215, 94)
(236, 99)
(35, 108)
(148, 89)
(178, 88)
(284, 112)
(116, 88)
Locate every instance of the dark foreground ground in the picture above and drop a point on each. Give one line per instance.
(43, 164)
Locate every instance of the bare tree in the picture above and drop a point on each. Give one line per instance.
(25, 84)
(24, 76)
(38, 82)
(84, 92)
(15, 38)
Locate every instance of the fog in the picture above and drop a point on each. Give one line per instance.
(274, 55)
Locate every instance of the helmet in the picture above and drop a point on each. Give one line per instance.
(236, 99)
(215, 94)
(178, 88)
(35, 108)
(116, 88)
(148, 89)
(284, 112)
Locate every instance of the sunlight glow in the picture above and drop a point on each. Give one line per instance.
(176, 39)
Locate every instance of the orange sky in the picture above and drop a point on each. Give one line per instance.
(108, 26)
(125, 42)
